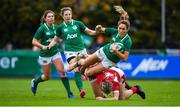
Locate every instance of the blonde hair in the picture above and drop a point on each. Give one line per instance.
(65, 9)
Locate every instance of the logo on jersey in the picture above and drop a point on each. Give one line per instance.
(47, 33)
(109, 75)
(71, 36)
(74, 27)
(65, 30)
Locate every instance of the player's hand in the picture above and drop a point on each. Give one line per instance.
(124, 14)
(113, 47)
(49, 47)
(45, 48)
(99, 28)
(99, 98)
(119, 9)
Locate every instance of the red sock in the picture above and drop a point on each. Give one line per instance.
(134, 89)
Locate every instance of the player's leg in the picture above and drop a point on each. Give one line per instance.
(72, 58)
(78, 79)
(60, 68)
(98, 68)
(140, 92)
(126, 94)
(127, 86)
(79, 83)
(135, 89)
(90, 60)
(45, 64)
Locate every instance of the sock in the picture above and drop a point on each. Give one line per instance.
(38, 80)
(65, 82)
(127, 86)
(78, 80)
(134, 89)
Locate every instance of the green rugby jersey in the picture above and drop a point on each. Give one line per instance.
(71, 33)
(45, 35)
(126, 41)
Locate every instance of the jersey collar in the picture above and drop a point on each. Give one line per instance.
(122, 37)
(65, 24)
(48, 27)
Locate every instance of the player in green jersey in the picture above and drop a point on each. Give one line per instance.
(110, 54)
(70, 31)
(41, 39)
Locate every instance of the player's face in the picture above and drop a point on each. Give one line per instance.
(67, 16)
(122, 29)
(50, 18)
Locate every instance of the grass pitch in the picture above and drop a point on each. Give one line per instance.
(52, 93)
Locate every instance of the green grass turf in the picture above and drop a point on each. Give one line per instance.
(52, 93)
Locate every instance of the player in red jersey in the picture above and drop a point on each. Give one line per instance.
(113, 79)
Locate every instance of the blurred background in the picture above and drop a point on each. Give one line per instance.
(154, 29)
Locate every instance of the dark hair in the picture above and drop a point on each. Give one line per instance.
(65, 9)
(45, 14)
(107, 87)
(126, 22)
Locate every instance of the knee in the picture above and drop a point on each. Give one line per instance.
(88, 72)
(46, 76)
(83, 63)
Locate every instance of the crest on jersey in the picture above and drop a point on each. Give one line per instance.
(108, 75)
(47, 33)
(74, 27)
(65, 30)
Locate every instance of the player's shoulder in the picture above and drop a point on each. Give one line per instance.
(77, 21)
(128, 38)
(41, 27)
(128, 35)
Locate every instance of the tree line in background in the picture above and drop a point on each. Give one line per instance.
(20, 19)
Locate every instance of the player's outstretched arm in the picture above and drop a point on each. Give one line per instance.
(123, 14)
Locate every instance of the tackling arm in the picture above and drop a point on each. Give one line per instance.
(115, 96)
(100, 29)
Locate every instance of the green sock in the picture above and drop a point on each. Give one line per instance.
(38, 80)
(65, 82)
(78, 80)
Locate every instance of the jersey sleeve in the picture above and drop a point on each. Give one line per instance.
(128, 44)
(115, 86)
(82, 26)
(110, 31)
(39, 33)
